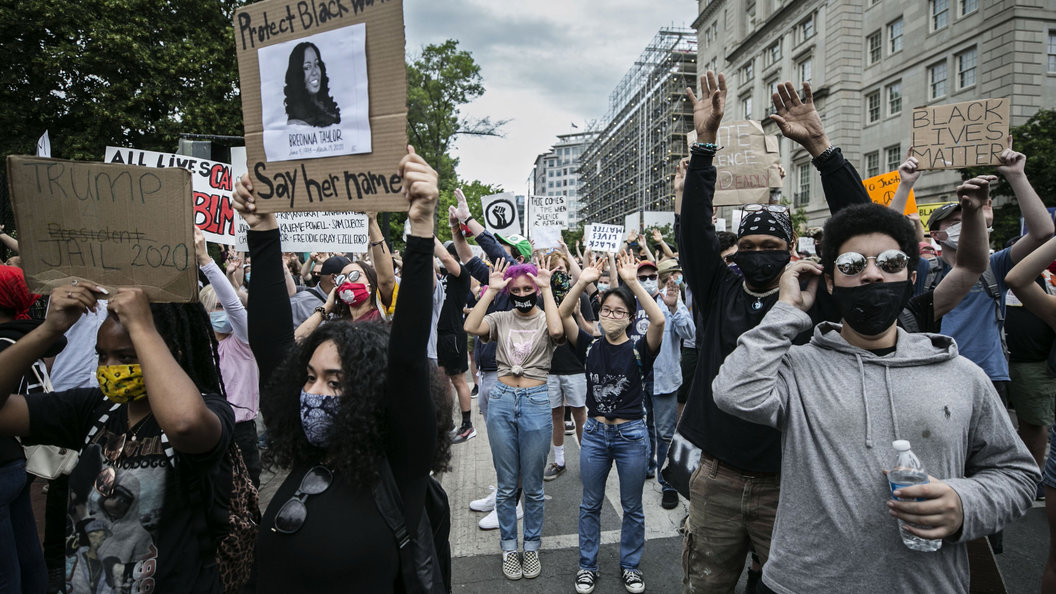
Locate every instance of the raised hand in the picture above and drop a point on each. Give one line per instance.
(419, 187)
(628, 267)
(201, 250)
(592, 273)
(975, 192)
(791, 292)
(1012, 163)
(461, 212)
(658, 237)
(495, 280)
(243, 200)
(233, 265)
(670, 293)
(132, 309)
(69, 302)
(452, 217)
(542, 277)
(708, 110)
(909, 171)
(799, 120)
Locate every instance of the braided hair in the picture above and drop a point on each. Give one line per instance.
(189, 336)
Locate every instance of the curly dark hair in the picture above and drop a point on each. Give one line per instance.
(863, 219)
(364, 348)
(190, 338)
(318, 111)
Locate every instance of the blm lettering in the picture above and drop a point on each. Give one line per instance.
(959, 135)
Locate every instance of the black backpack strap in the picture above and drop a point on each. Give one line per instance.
(390, 505)
(908, 321)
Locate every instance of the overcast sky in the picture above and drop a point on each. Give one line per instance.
(546, 64)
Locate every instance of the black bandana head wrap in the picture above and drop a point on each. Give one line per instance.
(764, 222)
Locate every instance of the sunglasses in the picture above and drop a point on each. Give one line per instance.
(889, 261)
(292, 514)
(343, 278)
(644, 277)
(107, 477)
(761, 207)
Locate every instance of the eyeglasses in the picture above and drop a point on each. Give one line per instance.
(645, 277)
(292, 514)
(889, 261)
(761, 207)
(107, 477)
(343, 278)
(616, 314)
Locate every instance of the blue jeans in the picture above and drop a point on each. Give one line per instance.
(665, 416)
(651, 426)
(22, 566)
(628, 445)
(519, 430)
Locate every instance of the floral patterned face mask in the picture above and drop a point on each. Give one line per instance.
(121, 383)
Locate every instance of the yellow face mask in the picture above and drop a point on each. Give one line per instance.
(121, 383)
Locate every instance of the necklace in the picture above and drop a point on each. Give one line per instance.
(139, 426)
(758, 303)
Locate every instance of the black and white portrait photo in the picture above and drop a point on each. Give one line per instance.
(313, 95)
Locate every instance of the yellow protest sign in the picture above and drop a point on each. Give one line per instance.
(925, 210)
(881, 189)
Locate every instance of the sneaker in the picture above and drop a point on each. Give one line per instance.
(632, 581)
(570, 427)
(491, 521)
(530, 564)
(486, 504)
(585, 579)
(511, 565)
(473, 393)
(464, 434)
(669, 500)
(1040, 494)
(553, 471)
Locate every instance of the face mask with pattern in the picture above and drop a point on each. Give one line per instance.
(121, 383)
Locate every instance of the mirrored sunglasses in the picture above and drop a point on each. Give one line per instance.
(889, 261)
(761, 207)
(351, 277)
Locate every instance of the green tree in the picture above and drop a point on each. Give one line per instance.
(1037, 140)
(474, 191)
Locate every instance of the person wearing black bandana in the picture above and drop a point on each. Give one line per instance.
(738, 458)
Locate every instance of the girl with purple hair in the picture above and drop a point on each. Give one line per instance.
(519, 422)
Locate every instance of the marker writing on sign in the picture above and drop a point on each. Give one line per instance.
(349, 185)
(66, 180)
(309, 13)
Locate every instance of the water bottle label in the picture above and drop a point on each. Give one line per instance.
(896, 486)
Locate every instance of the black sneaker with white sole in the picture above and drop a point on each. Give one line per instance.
(465, 433)
(632, 581)
(585, 581)
(553, 471)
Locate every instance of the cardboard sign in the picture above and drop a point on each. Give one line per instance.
(316, 232)
(500, 214)
(603, 238)
(632, 222)
(324, 100)
(925, 210)
(546, 238)
(116, 225)
(881, 189)
(961, 134)
(651, 219)
(747, 166)
(806, 244)
(547, 211)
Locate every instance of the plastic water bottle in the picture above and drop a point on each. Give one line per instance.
(909, 471)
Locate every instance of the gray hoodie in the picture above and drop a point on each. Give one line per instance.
(839, 408)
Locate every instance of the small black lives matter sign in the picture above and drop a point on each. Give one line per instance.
(960, 135)
(324, 101)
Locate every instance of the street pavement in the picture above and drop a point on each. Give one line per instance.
(476, 563)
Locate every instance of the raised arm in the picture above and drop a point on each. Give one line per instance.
(225, 293)
(566, 310)
(973, 250)
(629, 275)
(542, 281)
(908, 173)
(448, 261)
(1035, 215)
(465, 254)
(382, 259)
(658, 237)
(799, 120)
(1021, 280)
(475, 323)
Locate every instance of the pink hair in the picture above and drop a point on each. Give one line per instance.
(519, 270)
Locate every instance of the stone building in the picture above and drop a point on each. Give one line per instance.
(556, 173)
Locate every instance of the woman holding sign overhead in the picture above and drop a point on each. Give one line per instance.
(156, 429)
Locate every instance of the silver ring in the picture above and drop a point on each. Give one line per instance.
(74, 283)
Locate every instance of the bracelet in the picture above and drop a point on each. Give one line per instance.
(705, 149)
(824, 156)
(321, 310)
(468, 219)
(377, 243)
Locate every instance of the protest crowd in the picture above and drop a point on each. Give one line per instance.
(836, 421)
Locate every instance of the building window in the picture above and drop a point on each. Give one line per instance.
(894, 34)
(874, 45)
(940, 14)
(805, 29)
(773, 53)
(746, 108)
(966, 68)
(937, 80)
(748, 72)
(969, 6)
(802, 195)
(1052, 51)
(872, 107)
(806, 69)
(550, 184)
(707, 37)
(771, 89)
(893, 156)
(550, 173)
(872, 164)
(894, 98)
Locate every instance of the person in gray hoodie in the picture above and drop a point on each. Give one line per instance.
(840, 401)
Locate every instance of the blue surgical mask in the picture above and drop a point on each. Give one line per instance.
(247, 277)
(318, 412)
(603, 287)
(650, 286)
(678, 281)
(220, 322)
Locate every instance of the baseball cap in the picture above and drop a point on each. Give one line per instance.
(517, 242)
(646, 264)
(941, 213)
(334, 265)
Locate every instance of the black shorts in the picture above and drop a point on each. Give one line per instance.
(451, 353)
(689, 367)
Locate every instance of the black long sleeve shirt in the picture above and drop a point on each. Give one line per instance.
(723, 311)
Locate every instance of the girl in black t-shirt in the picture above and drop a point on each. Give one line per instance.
(615, 428)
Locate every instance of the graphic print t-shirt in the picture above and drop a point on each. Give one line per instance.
(524, 344)
(133, 530)
(614, 380)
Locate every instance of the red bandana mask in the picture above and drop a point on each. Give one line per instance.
(353, 293)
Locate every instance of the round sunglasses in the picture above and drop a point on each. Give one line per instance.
(889, 261)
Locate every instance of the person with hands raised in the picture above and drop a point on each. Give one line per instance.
(616, 429)
(519, 420)
(341, 404)
(856, 387)
(157, 425)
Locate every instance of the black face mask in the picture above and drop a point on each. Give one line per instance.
(760, 268)
(526, 303)
(871, 309)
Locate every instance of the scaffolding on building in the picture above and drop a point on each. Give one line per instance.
(630, 166)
